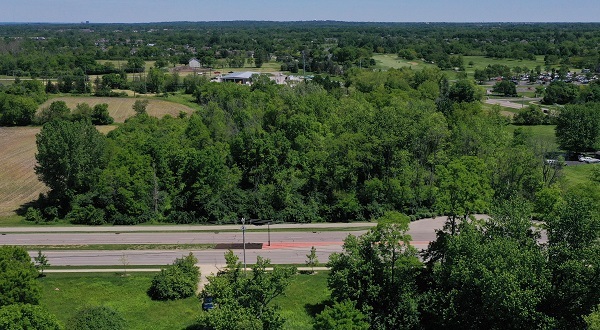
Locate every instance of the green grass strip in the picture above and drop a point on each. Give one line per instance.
(113, 247)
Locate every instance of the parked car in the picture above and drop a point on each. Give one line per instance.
(589, 160)
(207, 303)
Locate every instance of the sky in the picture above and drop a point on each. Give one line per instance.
(137, 11)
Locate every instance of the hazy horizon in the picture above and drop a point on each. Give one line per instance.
(409, 11)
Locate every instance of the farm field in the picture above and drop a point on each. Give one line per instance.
(120, 108)
(18, 182)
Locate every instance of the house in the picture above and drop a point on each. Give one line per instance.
(194, 63)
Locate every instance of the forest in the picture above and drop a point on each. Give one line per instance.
(292, 154)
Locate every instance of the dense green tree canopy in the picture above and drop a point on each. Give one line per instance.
(378, 271)
(28, 317)
(245, 300)
(578, 127)
(70, 155)
(18, 276)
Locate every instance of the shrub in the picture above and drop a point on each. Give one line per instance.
(27, 317)
(97, 318)
(178, 281)
(343, 315)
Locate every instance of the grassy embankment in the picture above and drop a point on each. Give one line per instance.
(64, 294)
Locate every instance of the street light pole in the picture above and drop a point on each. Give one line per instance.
(269, 232)
(244, 241)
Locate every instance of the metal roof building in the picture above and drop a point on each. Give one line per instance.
(239, 77)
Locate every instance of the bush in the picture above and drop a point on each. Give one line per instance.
(34, 215)
(343, 315)
(27, 317)
(531, 115)
(97, 318)
(178, 281)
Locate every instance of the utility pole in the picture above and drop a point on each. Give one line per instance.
(244, 241)
(304, 65)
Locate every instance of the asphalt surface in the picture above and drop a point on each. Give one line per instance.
(285, 248)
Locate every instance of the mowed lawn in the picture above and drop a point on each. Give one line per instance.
(64, 294)
(18, 182)
(120, 108)
(392, 61)
(481, 62)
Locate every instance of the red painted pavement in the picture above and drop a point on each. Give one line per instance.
(284, 245)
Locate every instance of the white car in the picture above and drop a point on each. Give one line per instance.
(589, 160)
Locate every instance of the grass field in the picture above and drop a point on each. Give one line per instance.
(481, 62)
(120, 108)
(303, 299)
(389, 61)
(579, 175)
(64, 294)
(18, 182)
(541, 133)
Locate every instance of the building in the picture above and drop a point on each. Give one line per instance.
(239, 77)
(194, 63)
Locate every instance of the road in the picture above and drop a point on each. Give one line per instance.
(286, 247)
(509, 102)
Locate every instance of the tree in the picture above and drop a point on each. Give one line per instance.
(480, 76)
(342, 315)
(505, 87)
(574, 260)
(82, 111)
(135, 64)
(311, 259)
(16, 110)
(464, 188)
(155, 81)
(100, 115)
(27, 317)
(530, 115)
(139, 106)
(491, 275)
(378, 271)
(97, 318)
(578, 127)
(252, 295)
(560, 92)
(593, 319)
(70, 155)
(41, 262)
(178, 281)
(17, 277)
(259, 58)
(56, 110)
(464, 91)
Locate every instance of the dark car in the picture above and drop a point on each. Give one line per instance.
(207, 303)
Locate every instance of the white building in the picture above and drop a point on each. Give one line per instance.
(194, 63)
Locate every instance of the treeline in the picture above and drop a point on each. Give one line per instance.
(477, 274)
(298, 154)
(321, 47)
